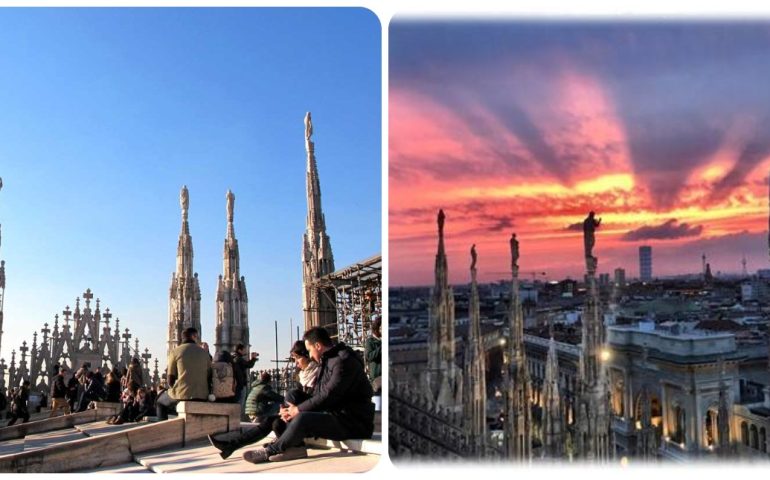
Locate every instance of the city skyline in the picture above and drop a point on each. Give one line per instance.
(657, 126)
(109, 112)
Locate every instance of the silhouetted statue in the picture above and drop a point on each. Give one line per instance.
(590, 224)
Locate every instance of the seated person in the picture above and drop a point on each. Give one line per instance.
(262, 401)
(189, 374)
(339, 408)
(270, 420)
(142, 406)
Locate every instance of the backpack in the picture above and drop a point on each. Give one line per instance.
(223, 383)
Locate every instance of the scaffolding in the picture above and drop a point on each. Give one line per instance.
(358, 299)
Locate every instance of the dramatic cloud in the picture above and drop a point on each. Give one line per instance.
(667, 231)
(528, 126)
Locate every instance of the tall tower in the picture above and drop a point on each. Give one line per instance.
(519, 412)
(442, 370)
(476, 369)
(184, 306)
(232, 322)
(594, 435)
(645, 263)
(318, 304)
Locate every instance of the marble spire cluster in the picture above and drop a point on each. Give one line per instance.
(232, 322)
(318, 304)
(232, 314)
(84, 335)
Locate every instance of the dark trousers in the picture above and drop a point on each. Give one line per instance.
(309, 424)
(165, 404)
(24, 415)
(253, 435)
(306, 424)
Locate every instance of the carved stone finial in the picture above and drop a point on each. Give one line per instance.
(184, 201)
(308, 126)
(473, 256)
(230, 205)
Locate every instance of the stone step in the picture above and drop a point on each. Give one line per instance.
(368, 446)
(202, 458)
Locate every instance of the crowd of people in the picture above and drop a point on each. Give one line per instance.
(333, 398)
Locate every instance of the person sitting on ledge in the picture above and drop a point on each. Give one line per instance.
(189, 374)
(263, 404)
(340, 407)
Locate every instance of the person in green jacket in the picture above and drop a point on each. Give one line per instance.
(262, 401)
(373, 351)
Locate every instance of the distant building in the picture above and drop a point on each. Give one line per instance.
(620, 277)
(604, 279)
(645, 263)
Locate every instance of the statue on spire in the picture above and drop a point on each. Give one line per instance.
(514, 253)
(590, 224)
(473, 256)
(184, 200)
(441, 218)
(230, 205)
(308, 126)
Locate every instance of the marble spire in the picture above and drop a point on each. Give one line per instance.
(317, 258)
(232, 314)
(184, 295)
(518, 411)
(475, 368)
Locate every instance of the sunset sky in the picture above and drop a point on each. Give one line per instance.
(662, 128)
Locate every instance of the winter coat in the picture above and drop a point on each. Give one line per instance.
(113, 391)
(343, 390)
(373, 351)
(262, 400)
(59, 388)
(241, 368)
(134, 376)
(20, 401)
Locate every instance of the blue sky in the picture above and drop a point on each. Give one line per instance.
(106, 113)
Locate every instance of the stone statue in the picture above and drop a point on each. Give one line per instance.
(473, 257)
(441, 218)
(184, 200)
(590, 224)
(230, 205)
(308, 127)
(514, 253)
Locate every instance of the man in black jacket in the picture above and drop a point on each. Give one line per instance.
(340, 407)
(59, 394)
(241, 368)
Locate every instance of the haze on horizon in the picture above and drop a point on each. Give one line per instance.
(662, 128)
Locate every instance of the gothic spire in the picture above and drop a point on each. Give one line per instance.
(476, 392)
(232, 321)
(184, 293)
(553, 419)
(317, 257)
(519, 413)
